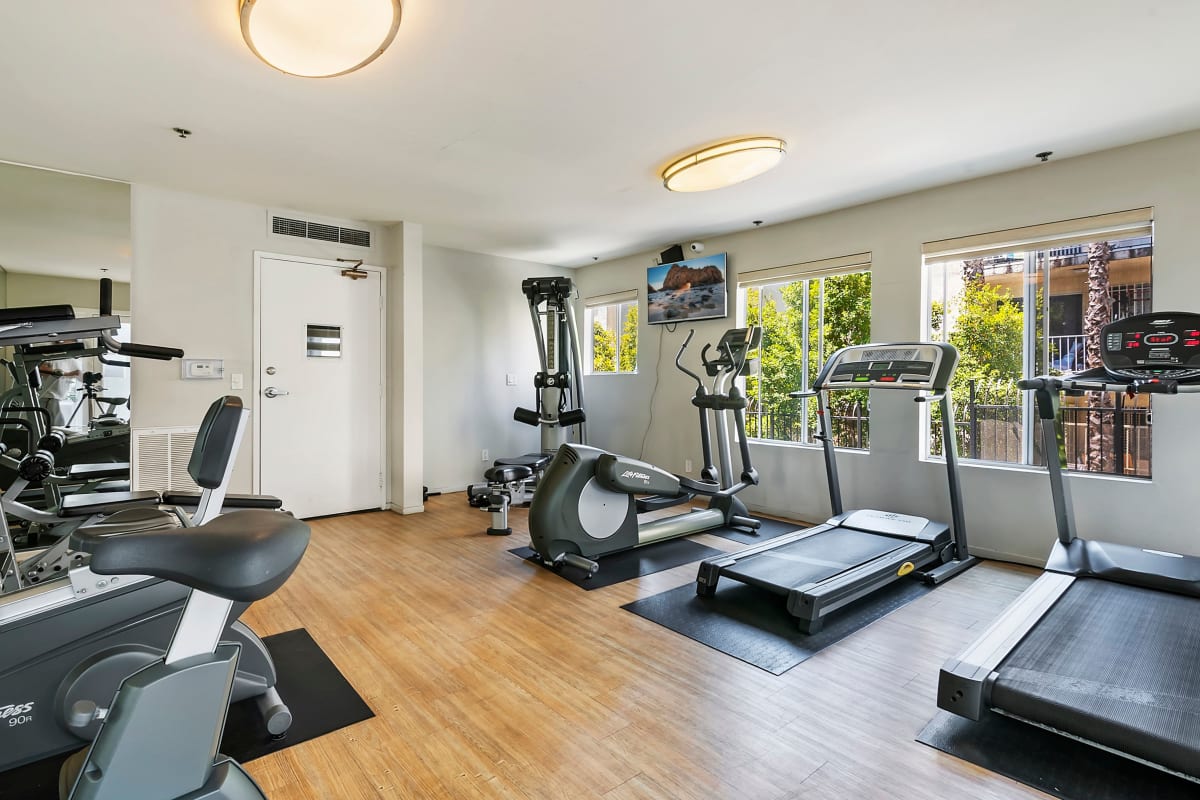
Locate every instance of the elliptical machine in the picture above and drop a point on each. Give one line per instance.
(585, 506)
(559, 384)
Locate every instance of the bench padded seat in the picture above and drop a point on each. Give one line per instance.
(92, 472)
(231, 500)
(88, 503)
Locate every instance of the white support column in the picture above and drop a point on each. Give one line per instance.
(406, 451)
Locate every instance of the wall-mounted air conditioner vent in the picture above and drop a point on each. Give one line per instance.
(160, 459)
(323, 232)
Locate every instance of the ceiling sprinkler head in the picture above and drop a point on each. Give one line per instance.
(1044, 155)
(182, 133)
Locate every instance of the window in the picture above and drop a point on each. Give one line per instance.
(612, 333)
(807, 312)
(1036, 308)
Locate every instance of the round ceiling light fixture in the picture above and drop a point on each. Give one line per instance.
(724, 164)
(319, 38)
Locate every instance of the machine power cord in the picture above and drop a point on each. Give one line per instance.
(653, 392)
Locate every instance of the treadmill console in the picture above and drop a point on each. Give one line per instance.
(916, 366)
(1147, 346)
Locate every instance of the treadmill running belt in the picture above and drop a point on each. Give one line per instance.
(812, 559)
(1116, 665)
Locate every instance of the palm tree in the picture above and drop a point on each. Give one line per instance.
(1098, 314)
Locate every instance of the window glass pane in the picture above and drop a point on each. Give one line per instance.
(629, 333)
(1091, 285)
(1039, 312)
(803, 322)
(612, 332)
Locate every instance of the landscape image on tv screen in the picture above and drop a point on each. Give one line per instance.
(686, 290)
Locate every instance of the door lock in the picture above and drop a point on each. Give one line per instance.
(271, 391)
(270, 370)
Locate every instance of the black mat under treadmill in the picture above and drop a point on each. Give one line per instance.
(1116, 665)
(811, 559)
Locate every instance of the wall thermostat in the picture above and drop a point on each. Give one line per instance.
(203, 369)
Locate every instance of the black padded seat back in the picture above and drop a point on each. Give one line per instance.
(507, 474)
(214, 442)
(535, 461)
(242, 556)
(11, 316)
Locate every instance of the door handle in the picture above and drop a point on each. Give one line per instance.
(271, 391)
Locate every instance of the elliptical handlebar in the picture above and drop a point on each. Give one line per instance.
(678, 365)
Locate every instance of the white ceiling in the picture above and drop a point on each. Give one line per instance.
(535, 128)
(68, 226)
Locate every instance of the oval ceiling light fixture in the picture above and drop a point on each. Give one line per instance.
(319, 38)
(724, 164)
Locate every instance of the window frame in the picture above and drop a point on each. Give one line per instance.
(774, 277)
(622, 301)
(1030, 243)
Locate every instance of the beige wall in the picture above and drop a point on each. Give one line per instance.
(1008, 510)
(468, 325)
(193, 288)
(44, 290)
(477, 331)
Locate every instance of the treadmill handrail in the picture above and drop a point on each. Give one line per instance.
(1098, 380)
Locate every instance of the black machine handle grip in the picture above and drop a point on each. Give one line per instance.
(112, 362)
(527, 416)
(678, 356)
(1033, 384)
(149, 351)
(135, 350)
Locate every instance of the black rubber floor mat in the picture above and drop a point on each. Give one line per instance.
(753, 625)
(1054, 764)
(769, 529)
(635, 563)
(320, 698)
(321, 701)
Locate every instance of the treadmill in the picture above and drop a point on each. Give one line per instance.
(1104, 647)
(825, 567)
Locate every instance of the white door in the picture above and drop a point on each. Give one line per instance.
(320, 386)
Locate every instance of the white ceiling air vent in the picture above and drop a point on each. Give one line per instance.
(160, 459)
(320, 231)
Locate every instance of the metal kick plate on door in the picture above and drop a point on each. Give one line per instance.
(324, 341)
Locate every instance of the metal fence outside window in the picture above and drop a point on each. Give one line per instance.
(993, 432)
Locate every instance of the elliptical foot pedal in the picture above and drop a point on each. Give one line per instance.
(577, 561)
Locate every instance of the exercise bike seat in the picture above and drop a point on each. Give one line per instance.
(508, 474)
(535, 461)
(242, 556)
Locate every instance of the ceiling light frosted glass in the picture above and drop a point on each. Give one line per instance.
(724, 164)
(319, 38)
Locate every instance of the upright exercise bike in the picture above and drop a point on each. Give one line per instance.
(159, 738)
(586, 505)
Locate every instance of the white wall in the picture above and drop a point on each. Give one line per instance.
(193, 288)
(477, 329)
(1008, 510)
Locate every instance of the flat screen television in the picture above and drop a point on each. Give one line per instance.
(686, 291)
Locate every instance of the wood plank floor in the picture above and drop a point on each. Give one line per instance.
(493, 678)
